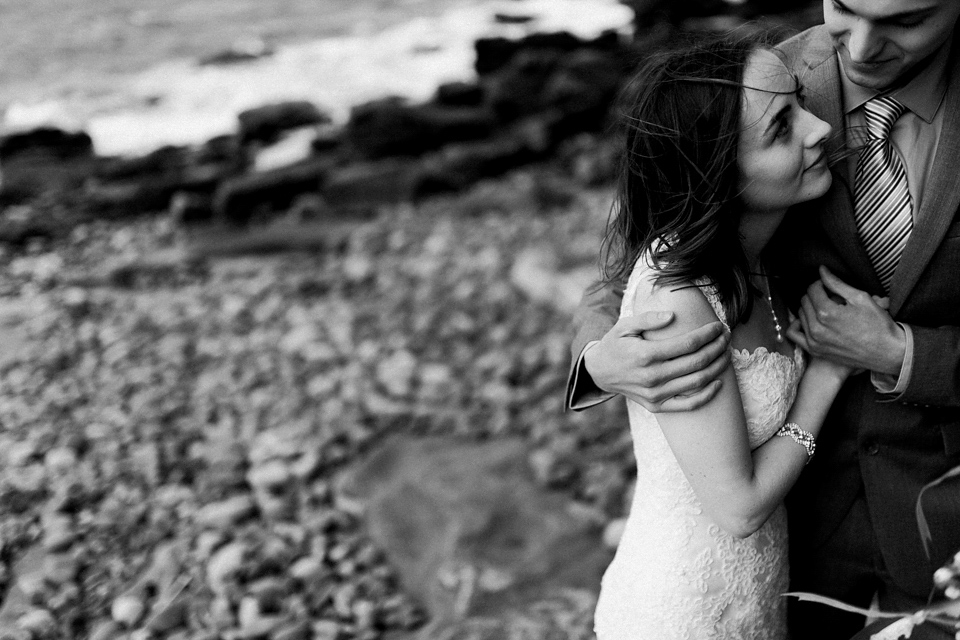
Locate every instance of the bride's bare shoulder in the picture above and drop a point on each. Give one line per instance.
(688, 303)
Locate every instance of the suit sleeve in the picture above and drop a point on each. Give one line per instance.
(598, 312)
(935, 376)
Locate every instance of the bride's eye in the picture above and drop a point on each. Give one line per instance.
(783, 128)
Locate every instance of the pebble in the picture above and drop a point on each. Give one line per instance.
(269, 593)
(270, 475)
(588, 513)
(346, 568)
(322, 386)
(11, 633)
(326, 630)
(67, 595)
(276, 508)
(307, 569)
(206, 543)
(105, 630)
(248, 612)
(339, 552)
(343, 600)
(358, 267)
(396, 373)
(299, 630)
(30, 478)
(298, 339)
(39, 622)
(60, 568)
(365, 613)
(75, 297)
(367, 555)
(307, 464)
(147, 458)
(221, 612)
(275, 443)
(58, 531)
(492, 579)
(292, 532)
(276, 551)
(225, 514)
(320, 545)
(613, 532)
(33, 585)
(225, 562)
(551, 468)
(60, 460)
(127, 610)
(19, 453)
(436, 381)
(253, 624)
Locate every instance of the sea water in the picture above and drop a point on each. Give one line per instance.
(181, 102)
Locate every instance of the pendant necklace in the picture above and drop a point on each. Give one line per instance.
(773, 313)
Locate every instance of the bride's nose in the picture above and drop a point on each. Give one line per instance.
(817, 129)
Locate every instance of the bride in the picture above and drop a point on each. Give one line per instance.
(718, 146)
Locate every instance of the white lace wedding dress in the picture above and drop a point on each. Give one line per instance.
(676, 574)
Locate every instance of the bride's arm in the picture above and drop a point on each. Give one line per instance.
(740, 489)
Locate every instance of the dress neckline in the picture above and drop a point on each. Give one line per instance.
(762, 352)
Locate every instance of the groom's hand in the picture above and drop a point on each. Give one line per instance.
(674, 374)
(849, 326)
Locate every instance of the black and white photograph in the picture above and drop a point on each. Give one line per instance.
(479, 320)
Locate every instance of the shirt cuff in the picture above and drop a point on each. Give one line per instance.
(887, 383)
(583, 392)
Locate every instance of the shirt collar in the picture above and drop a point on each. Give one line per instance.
(922, 95)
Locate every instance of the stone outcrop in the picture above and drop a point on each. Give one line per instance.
(531, 95)
(266, 123)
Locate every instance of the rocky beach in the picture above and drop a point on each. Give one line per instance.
(341, 416)
(185, 446)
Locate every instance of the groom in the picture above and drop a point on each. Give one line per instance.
(896, 427)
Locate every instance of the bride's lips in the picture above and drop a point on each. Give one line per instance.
(817, 162)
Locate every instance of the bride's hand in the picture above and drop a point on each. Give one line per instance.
(820, 365)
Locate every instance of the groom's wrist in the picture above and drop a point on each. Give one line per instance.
(896, 384)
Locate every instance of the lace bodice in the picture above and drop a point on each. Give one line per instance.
(767, 379)
(676, 574)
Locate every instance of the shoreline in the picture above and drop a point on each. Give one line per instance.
(179, 102)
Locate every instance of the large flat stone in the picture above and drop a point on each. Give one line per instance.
(471, 533)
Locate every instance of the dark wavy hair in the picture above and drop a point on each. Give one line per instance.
(678, 189)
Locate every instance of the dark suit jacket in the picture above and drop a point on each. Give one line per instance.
(886, 448)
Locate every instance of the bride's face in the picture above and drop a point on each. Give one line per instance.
(781, 157)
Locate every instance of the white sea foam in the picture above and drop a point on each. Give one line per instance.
(181, 102)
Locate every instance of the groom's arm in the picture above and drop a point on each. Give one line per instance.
(598, 311)
(934, 378)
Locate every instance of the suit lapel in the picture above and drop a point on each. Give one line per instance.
(820, 74)
(941, 198)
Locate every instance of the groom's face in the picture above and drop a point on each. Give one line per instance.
(884, 43)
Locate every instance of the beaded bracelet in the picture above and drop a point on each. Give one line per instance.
(801, 436)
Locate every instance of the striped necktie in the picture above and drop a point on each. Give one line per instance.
(882, 206)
